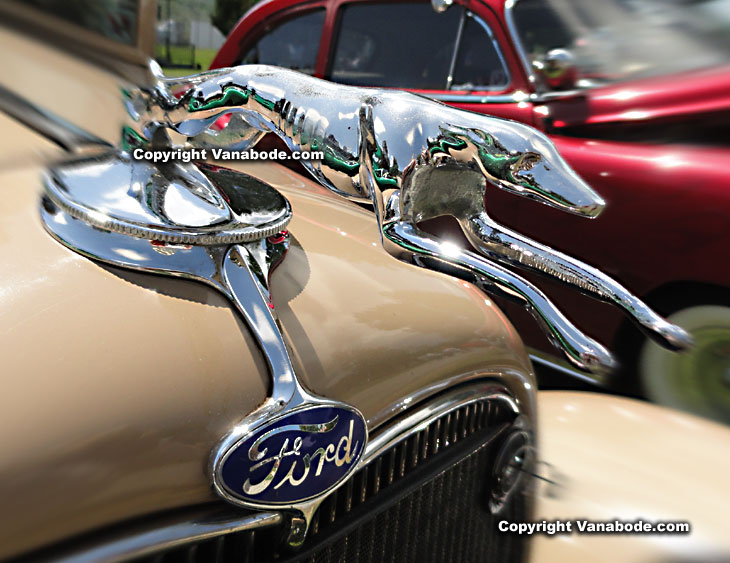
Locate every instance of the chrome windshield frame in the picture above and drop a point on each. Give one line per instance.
(505, 67)
(509, 6)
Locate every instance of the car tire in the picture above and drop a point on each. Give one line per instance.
(698, 380)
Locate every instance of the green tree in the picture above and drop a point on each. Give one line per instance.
(228, 12)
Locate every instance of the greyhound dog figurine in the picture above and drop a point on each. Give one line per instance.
(413, 159)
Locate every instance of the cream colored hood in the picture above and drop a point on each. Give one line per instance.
(117, 385)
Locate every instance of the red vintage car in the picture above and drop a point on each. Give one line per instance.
(636, 95)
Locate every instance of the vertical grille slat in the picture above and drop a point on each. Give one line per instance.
(464, 424)
(332, 512)
(403, 457)
(425, 443)
(218, 547)
(446, 430)
(378, 474)
(364, 484)
(391, 467)
(314, 524)
(473, 413)
(191, 554)
(349, 489)
(415, 451)
(435, 437)
(455, 426)
(479, 417)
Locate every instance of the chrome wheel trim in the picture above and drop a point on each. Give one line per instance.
(697, 381)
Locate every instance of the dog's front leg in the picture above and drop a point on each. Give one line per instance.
(509, 247)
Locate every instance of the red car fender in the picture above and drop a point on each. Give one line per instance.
(666, 217)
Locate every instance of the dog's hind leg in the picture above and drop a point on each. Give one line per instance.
(509, 247)
(408, 243)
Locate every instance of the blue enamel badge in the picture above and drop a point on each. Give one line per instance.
(296, 457)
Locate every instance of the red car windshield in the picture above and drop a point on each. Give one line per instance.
(617, 40)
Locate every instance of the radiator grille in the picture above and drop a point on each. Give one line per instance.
(424, 499)
(399, 461)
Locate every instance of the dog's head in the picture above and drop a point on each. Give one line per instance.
(523, 161)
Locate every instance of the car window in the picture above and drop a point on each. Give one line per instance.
(114, 19)
(292, 44)
(394, 45)
(479, 64)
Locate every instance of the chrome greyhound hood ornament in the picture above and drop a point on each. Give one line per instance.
(413, 159)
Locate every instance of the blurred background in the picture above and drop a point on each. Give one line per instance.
(189, 33)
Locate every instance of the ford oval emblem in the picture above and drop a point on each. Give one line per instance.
(294, 458)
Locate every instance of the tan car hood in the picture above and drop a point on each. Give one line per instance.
(117, 385)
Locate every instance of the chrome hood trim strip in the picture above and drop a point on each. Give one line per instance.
(64, 134)
(208, 524)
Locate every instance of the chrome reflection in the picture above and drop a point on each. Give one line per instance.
(440, 6)
(558, 70)
(419, 159)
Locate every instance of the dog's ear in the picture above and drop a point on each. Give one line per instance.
(525, 162)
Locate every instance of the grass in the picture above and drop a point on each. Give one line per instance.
(182, 55)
